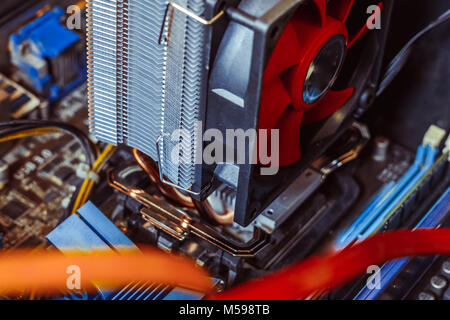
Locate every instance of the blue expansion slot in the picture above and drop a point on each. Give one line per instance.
(430, 158)
(348, 236)
(388, 272)
(375, 212)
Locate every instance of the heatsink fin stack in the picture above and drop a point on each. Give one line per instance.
(143, 93)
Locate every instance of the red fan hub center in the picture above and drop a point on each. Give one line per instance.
(322, 51)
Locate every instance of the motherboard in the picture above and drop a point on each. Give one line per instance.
(89, 159)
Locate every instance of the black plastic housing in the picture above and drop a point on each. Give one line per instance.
(251, 35)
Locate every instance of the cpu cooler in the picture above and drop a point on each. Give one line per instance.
(291, 65)
(301, 70)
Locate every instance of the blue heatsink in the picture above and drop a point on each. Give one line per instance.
(92, 230)
(48, 56)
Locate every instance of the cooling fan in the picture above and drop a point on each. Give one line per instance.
(276, 68)
(301, 71)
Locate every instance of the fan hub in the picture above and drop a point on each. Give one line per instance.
(302, 69)
(324, 69)
(322, 53)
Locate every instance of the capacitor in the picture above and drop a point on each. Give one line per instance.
(44, 111)
(4, 173)
(438, 284)
(381, 149)
(425, 296)
(446, 268)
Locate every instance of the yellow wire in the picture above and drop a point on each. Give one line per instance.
(38, 132)
(29, 133)
(88, 183)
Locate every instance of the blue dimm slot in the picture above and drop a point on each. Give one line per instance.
(386, 195)
(388, 272)
(379, 221)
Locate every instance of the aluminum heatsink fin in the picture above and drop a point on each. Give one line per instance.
(140, 90)
(102, 54)
(185, 72)
(146, 62)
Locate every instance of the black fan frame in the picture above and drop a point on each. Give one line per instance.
(263, 22)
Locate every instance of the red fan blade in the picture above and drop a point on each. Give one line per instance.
(289, 126)
(285, 55)
(364, 30)
(329, 104)
(340, 9)
(322, 7)
(274, 101)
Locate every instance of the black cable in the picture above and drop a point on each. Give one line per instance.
(11, 127)
(401, 58)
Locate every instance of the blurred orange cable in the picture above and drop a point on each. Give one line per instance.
(47, 272)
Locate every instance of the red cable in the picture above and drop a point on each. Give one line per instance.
(330, 271)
